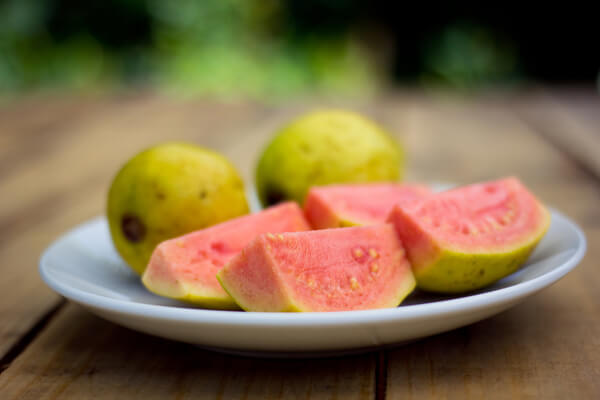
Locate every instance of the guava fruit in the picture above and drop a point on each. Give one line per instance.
(184, 268)
(334, 206)
(339, 269)
(467, 238)
(325, 147)
(167, 191)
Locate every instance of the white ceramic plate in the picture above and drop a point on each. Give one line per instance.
(83, 266)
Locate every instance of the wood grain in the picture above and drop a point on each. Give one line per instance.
(63, 181)
(81, 356)
(63, 155)
(569, 122)
(539, 348)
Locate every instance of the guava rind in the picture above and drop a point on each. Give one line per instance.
(168, 283)
(325, 147)
(167, 191)
(454, 272)
(440, 266)
(184, 268)
(325, 270)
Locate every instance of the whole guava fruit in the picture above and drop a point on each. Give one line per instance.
(167, 191)
(324, 147)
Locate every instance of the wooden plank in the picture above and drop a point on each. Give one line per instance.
(447, 140)
(547, 347)
(465, 140)
(584, 102)
(570, 122)
(81, 356)
(100, 144)
(36, 123)
(42, 208)
(26, 300)
(67, 183)
(82, 167)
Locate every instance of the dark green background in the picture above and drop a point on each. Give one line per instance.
(274, 48)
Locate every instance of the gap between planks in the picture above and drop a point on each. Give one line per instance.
(381, 374)
(19, 346)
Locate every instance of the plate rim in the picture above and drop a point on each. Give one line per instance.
(239, 318)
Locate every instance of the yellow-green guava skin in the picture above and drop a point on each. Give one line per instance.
(450, 260)
(167, 191)
(324, 147)
(454, 272)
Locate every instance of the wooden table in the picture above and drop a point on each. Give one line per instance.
(59, 153)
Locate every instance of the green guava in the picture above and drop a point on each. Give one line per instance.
(167, 191)
(325, 147)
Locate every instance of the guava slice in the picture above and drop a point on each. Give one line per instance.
(326, 270)
(184, 268)
(334, 206)
(467, 238)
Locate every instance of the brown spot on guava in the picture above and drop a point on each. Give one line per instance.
(133, 228)
(203, 194)
(305, 148)
(238, 184)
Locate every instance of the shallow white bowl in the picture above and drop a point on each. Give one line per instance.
(83, 266)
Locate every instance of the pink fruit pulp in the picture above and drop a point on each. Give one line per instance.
(327, 270)
(357, 204)
(185, 267)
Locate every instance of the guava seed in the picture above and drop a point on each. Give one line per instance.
(133, 228)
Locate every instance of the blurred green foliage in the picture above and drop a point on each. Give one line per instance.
(219, 47)
(467, 56)
(265, 49)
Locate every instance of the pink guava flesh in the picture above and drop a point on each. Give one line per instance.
(335, 206)
(326, 270)
(465, 238)
(185, 267)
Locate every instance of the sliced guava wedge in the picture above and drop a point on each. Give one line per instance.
(334, 206)
(324, 270)
(469, 237)
(184, 268)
